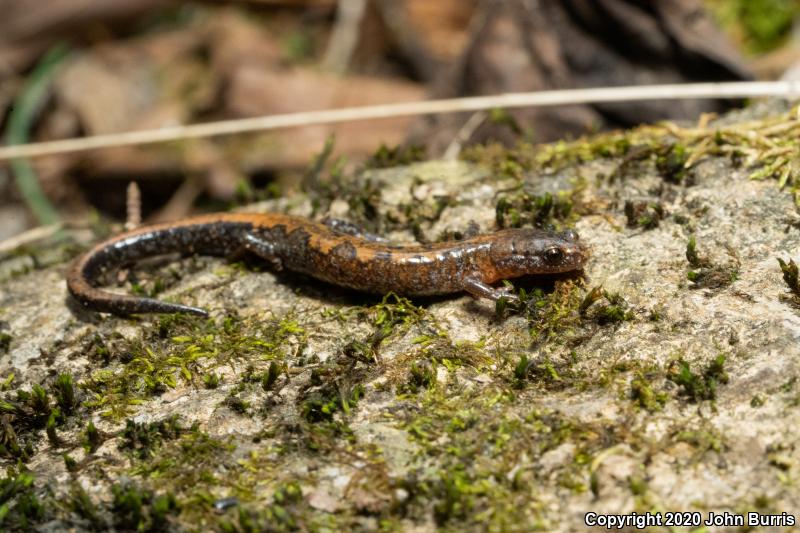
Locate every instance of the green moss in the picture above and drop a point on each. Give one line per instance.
(644, 215)
(691, 254)
(285, 513)
(386, 157)
(6, 383)
(698, 387)
(270, 377)
(188, 465)
(604, 307)
(64, 392)
(70, 463)
(703, 439)
(236, 404)
(761, 25)
(320, 407)
(211, 380)
(79, 503)
(393, 315)
(50, 429)
(637, 485)
(39, 403)
(672, 150)
(5, 342)
(521, 371)
(139, 509)
(705, 274)
(142, 440)
(671, 162)
(552, 315)
(792, 280)
(524, 209)
(643, 394)
(421, 375)
(183, 348)
(20, 507)
(479, 440)
(92, 439)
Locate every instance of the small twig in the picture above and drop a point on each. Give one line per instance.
(133, 206)
(734, 90)
(182, 200)
(464, 134)
(27, 237)
(345, 35)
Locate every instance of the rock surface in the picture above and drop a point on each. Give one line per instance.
(676, 390)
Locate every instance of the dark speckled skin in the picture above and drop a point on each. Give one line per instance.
(300, 245)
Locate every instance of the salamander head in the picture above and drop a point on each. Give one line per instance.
(523, 252)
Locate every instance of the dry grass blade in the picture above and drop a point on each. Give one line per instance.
(784, 89)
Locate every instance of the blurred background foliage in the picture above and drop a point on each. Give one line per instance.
(70, 68)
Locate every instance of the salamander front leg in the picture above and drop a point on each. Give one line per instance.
(480, 289)
(264, 249)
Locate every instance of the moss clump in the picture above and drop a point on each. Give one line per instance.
(691, 254)
(704, 274)
(5, 342)
(142, 440)
(605, 307)
(65, 393)
(671, 162)
(90, 516)
(764, 147)
(524, 209)
(761, 25)
(551, 314)
(392, 316)
(540, 369)
(188, 466)
(643, 394)
(470, 434)
(211, 380)
(792, 280)
(270, 377)
(70, 463)
(421, 376)
(183, 348)
(644, 215)
(285, 513)
(698, 387)
(20, 507)
(322, 405)
(92, 438)
(790, 275)
(703, 439)
(136, 509)
(386, 157)
(26, 412)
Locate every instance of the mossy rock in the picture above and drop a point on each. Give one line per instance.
(300, 405)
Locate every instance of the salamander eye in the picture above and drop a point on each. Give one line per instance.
(553, 255)
(570, 235)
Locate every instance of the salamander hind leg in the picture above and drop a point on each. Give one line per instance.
(480, 289)
(263, 248)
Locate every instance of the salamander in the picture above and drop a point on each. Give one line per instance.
(334, 255)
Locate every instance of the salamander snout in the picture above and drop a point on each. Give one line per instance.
(530, 251)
